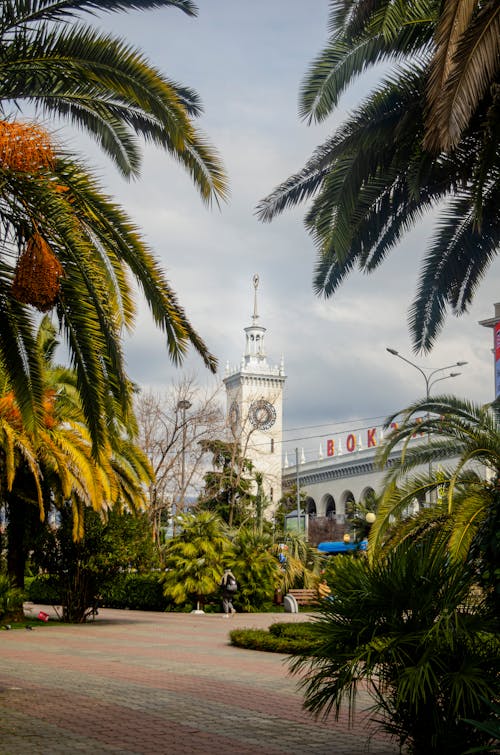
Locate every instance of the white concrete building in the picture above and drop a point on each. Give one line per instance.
(343, 471)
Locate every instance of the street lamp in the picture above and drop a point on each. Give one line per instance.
(428, 372)
(183, 405)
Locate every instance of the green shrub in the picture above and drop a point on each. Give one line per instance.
(11, 598)
(410, 625)
(85, 567)
(45, 589)
(300, 630)
(281, 638)
(141, 592)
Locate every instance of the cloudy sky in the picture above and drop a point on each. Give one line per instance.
(246, 61)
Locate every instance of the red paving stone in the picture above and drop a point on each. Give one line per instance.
(136, 682)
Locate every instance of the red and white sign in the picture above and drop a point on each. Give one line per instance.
(365, 438)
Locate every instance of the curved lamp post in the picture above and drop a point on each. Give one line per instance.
(428, 373)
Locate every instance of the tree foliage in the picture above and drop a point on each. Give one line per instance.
(55, 467)
(408, 625)
(80, 570)
(461, 490)
(256, 568)
(229, 484)
(50, 203)
(195, 558)
(427, 134)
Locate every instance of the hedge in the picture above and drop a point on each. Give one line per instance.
(142, 592)
(290, 639)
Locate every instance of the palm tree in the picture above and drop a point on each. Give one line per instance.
(301, 564)
(408, 625)
(255, 567)
(56, 465)
(383, 168)
(195, 558)
(64, 216)
(462, 493)
(71, 246)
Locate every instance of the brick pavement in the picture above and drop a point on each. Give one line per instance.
(137, 683)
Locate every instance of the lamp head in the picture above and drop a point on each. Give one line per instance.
(454, 374)
(392, 351)
(370, 517)
(461, 364)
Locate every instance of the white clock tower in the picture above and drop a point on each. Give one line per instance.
(255, 406)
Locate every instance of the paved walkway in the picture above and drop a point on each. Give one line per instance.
(137, 683)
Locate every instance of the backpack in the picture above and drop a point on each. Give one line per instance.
(231, 585)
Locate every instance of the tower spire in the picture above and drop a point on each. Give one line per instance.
(255, 353)
(255, 315)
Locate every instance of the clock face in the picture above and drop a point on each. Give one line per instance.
(234, 415)
(262, 414)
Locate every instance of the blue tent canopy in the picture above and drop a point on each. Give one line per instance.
(338, 546)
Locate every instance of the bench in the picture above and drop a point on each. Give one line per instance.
(305, 596)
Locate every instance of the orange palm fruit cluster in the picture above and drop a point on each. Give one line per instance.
(37, 275)
(25, 147)
(9, 411)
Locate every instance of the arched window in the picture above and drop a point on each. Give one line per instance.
(330, 508)
(311, 507)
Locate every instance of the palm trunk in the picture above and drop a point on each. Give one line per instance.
(16, 539)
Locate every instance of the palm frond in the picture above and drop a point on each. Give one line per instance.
(464, 66)
(25, 12)
(109, 88)
(455, 265)
(375, 177)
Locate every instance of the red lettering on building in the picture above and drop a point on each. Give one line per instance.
(371, 437)
(351, 442)
(330, 447)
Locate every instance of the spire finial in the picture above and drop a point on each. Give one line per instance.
(255, 315)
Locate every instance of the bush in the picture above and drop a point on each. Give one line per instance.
(11, 598)
(85, 567)
(290, 639)
(45, 589)
(141, 592)
(300, 630)
(412, 627)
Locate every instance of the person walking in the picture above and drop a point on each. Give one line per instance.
(229, 587)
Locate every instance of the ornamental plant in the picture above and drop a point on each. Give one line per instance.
(410, 626)
(195, 558)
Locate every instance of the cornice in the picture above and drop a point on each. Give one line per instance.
(338, 472)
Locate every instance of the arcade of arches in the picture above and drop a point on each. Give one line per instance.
(328, 519)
